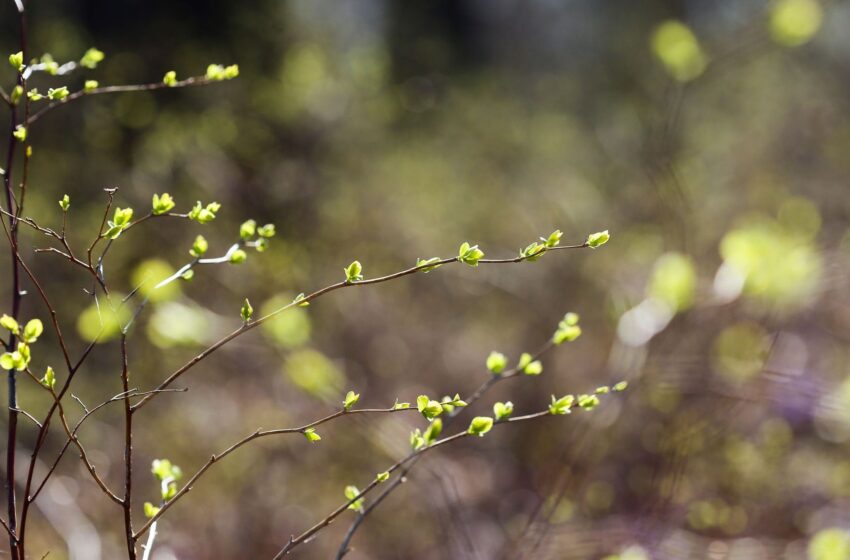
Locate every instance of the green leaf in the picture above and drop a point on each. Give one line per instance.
(416, 439)
(20, 133)
(238, 256)
(65, 203)
(568, 329)
(469, 254)
(162, 203)
(503, 410)
(352, 492)
(199, 247)
(32, 331)
(620, 387)
(57, 94)
(8, 360)
(529, 367)
(300, 300)
(603, 390)
(91, 58)
(553, 239)
(496, 362)
(429, 408)
(170, 78)
(165, 470)
(311, 435)
(16, 94)
(598, 239)
(247, 311)
(353, 273)
(150, 510)
(16, 60)
(562, 405)
(9, 324)
(267, 231)
(248, 229)
(90, 85)
(34, 95)
(122, 216)
(204, 214)
(433, 431)
(49, 379)
(588, 402)
(401, 405)
(422, 262)
(351, 399)
(533, 251)
(382, 477)
(480, 425)
(215, 72)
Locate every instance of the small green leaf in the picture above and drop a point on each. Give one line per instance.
(422, 262)
(352, 492)
(416, 440)
(8, 360)
(20, 133)
(562, 405)
(122, 216)
(34, 95)
(588, 402)
(57, 94)
(91, 58)
(238, 256)
(32, 331)
(204, 214)
(248, 229)
(311, 435)
(353, 273)
(267, 231)
(90, 85)
(161, 204)
(533, 251)
(529, 366)
(16, 60)
(170, 78)
(17, 93)
(598, 239)
(568, 329)
(9, 324)
(199, 247)
(620, 387)
(247, 311)
(215, 72)
(480, 425)
(150, 510)
(470, 254)
(604, 390)
(433, 431)
(496, 362)
(382, 477)
(350, 400)
(300, 300)
(65, 203)
(163, 470)
(553, 239)
(503, 410)
(49, 379)
(429, 408)
(401, 405)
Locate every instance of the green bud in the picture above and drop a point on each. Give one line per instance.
(122, 216)
(9, 360)
(470, 254)
(248, 229)
(503, 410)
(261, 244)
(529, 366)
(231, 71)
(588, 402)
(188, 275)
(9, 324)
(553, 239)
(480, 425)
(57, 94)
(353, 273)
(433, 431)
(532, 252)
(32, 331)
(170, 78)
(266, 231)
(311, 435)
(49, 379)
(430, 409)
(352, 492)
(620, 387)
(17, 93)
(238, 256)
(150, 510)
(604, 390)
(164, 470)
(300, 300)
(202, 214)
(65, 203)
(247, 311)
(199, 247)
(562, 405)
(90, 85)
(401, 405)
(598, 239)
(215, 72)
(20, 133)
(34, 95)
(162, 203)
(91, 58)
(382, 477)
(350, 400)
(422, 262)
(496, 362)
(17, 60)
(568, 329)
(416, 440)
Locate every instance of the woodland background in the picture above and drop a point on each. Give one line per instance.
(386, 131)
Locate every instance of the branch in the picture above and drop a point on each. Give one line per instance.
(315, 295)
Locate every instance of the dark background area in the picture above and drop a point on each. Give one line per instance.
(387, 131)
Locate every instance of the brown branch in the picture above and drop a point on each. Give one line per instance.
(127, 502)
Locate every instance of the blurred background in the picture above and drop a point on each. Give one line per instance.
(711, 137)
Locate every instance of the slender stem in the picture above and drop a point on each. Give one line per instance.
(128, 453)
